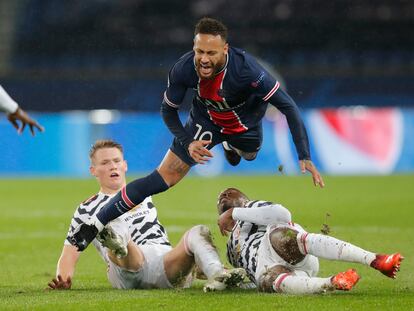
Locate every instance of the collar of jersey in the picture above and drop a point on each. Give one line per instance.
(100, 193)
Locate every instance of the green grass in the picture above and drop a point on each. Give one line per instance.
(375, 213)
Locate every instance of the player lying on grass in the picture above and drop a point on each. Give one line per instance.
(135, 246)
(15, 113)
(280, 256)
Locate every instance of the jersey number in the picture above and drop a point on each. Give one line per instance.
(206, 135)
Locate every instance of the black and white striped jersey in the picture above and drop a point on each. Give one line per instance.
(143, 224)
(244, 242)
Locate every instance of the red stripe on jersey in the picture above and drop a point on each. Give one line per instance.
(276, 285)
(91, 199)
(303, 240)
(126, 199)
(229, 121)
(208, 88)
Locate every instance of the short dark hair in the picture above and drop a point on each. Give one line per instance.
(211, 26)
(104, 143)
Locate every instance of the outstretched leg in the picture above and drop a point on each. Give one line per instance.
(197, 247)
(292, 246)
(281, 279)
(331, 248)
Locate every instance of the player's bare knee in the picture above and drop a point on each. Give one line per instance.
(267, 279)
(284, 243)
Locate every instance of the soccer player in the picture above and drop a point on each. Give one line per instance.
(15, 113)
(280, 256)
(135, 246)
(231, 93)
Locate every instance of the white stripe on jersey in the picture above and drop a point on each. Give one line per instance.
(272, 91)
(170, 103)
(143, 224)
(244, 242)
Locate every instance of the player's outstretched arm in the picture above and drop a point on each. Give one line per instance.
(15, 113)
(307, 165)
(24, 119)
(282, 101)
(65, 268)
(266, 215)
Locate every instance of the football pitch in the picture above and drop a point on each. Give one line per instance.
(376, 213)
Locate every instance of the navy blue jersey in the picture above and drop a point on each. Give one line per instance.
(235, 100)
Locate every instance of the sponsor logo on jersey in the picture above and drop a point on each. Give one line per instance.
(259, 80)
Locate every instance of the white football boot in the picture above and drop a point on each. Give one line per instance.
(227, 279)
(115, 236)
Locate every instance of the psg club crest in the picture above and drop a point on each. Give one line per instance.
(221, 93)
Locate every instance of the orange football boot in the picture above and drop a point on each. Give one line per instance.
(345, 280)
(388, 265)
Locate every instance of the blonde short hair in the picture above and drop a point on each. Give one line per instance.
(104, 143)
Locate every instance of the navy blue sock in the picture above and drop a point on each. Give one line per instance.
(132, 195)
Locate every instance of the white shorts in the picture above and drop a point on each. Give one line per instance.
(267, 256)
(151, 275)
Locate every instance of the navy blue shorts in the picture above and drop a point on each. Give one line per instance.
(203, 129)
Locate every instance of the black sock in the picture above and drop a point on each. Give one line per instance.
(132, 195)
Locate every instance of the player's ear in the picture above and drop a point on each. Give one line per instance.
(226, 48)
(126, 165)
(92, 170)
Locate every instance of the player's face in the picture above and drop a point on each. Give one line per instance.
(109, 168)
(229, 198)
(210, 54)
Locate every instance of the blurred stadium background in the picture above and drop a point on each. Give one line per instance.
(81, 67)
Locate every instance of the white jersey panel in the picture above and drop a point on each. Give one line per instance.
(142, 222)
(244, 242)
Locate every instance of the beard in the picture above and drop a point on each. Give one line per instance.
(208, 71)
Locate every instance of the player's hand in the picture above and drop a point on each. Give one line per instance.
(307, 165)
(199, 152)
(25, 119)
(226, 222)
(58, 283)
